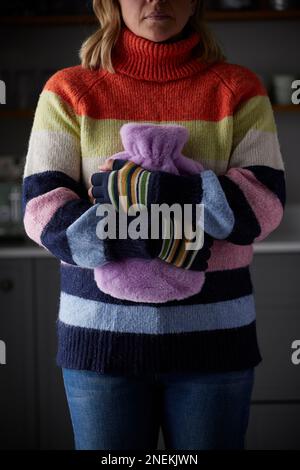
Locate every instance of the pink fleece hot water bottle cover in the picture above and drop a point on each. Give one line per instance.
(153, 147)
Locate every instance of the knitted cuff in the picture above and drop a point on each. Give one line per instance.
(170, 189)
(102, 183)
(117, 248)
(199, 258)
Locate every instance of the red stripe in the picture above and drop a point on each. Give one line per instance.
(210, 96)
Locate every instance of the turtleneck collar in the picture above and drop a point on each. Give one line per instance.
(143, 59)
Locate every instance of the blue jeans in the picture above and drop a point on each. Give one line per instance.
(195, 410)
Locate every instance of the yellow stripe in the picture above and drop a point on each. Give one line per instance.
(176, 242)
(208, 141)
(122, 180)
(181, 255)
(54, 114)
(256, 113)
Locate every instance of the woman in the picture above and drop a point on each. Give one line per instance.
(187, 366)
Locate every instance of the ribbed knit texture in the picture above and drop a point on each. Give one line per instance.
(232, 130)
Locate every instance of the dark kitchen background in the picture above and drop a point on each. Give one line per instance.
(36, 39)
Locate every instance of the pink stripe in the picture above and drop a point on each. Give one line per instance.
(226, 255)
(264, 203)
(41, 209)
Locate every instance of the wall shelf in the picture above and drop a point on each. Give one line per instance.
(48, 20)
(16, 113)
(253, 15)
(286, 108)
(221, 15)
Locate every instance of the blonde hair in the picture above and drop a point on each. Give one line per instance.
(96, 50)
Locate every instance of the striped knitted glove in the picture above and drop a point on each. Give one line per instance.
(145, 187)
(141, 186)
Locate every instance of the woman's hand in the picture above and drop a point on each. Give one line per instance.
(104, 189)
(106, 166)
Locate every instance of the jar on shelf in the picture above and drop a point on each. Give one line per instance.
(25, 88)
(11, 216)
(237, 4)
(8, 77)
(282, 4)
(281, 88)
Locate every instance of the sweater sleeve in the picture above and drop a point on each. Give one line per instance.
(53, 196)
(246, 204)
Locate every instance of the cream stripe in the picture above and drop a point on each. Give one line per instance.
(258, 148)
(147, 189)
(110, 189)
(53, 151)
(192, 259)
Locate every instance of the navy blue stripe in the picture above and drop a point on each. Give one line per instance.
(54, 235)
(130, 353)
(41, 183)
(272, 178)
(218, 286)
(246, 226)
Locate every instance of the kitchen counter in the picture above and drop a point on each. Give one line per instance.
(27, 250)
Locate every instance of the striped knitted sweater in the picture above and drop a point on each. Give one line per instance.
(232, 132)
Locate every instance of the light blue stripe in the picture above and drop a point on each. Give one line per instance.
(218, 216)
(156, 320)
(86, 248)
